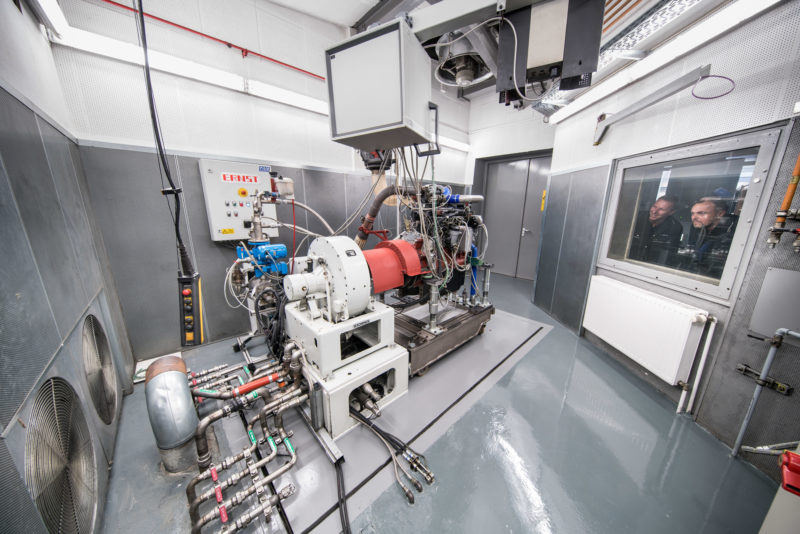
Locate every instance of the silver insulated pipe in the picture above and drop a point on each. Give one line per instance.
(171, 411)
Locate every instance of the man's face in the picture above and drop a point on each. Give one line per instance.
(705, 214)
(660, 210)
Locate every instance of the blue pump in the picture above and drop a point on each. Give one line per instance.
(265, 255)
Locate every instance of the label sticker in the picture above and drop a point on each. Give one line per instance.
(264, 168)
(350, 252)
(239, 178)
(227, 230)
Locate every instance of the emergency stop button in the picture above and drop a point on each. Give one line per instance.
(186, 292)
(242, 192)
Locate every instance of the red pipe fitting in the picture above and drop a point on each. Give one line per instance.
(790, 471)
(255, 384)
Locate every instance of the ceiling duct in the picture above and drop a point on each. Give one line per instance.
(460, 65)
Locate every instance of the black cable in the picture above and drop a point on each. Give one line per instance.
(187, 269)
(343, 515)
(424, 429)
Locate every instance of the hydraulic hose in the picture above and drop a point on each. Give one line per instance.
(239, 390)
(369, 219)
(317, 215)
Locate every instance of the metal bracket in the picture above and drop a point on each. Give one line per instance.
(605, 120)
(322, 436)
(746, 370)
(435, 150)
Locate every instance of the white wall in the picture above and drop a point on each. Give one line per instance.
(762, 57)
(110, 106)
(109, 102)
(26, 67)
(497, 130)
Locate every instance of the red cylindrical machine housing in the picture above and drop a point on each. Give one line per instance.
(390, 262)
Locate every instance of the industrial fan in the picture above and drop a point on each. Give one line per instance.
(99, 368)
(60, 468)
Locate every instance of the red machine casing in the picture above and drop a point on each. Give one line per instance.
(390, 262)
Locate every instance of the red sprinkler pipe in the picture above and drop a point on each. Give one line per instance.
(255, 384)
(245, 52)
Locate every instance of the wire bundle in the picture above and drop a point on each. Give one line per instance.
(399, 449)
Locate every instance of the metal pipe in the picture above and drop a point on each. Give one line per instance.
(234, 478)
(310, 210)
(239, 390)
(369, 218)
(775, 343)
(473, 281)
(780, 216)
(464, 199)
(171, 411)
(702, 365)
(242, 495)
(249, 516)
(487, 271)
(433, 307)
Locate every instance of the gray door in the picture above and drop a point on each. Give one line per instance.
(513, 214)
(530, 233)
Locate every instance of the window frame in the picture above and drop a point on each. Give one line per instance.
(767, 143)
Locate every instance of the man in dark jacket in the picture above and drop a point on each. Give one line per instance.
(709, 239)
(657, 234)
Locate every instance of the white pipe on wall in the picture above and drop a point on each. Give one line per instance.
(701, 366)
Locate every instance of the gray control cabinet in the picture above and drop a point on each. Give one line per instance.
(229, 187)
(379, 86)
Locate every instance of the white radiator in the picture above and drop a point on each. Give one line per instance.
(660, 334)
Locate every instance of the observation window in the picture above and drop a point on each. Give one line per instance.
(684, 215)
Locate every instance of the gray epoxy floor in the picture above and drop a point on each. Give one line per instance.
(571, 442)
(568, 441)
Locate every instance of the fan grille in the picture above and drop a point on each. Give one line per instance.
(99, 368)
(59, 460)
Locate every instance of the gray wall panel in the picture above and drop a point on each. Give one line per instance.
(112, 297)
(325, 195)
(28, 333)
(212, 259)
(727, 393)
(135, 225)
(357, 187)
(59, 157)
(581, 232)
(26, 166)
(124, 189)
(552, 234)
(18, 513)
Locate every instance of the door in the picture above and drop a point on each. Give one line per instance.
(531, 230)
(514, 192)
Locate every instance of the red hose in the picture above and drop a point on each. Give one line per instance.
(255, 384)
(245, 52)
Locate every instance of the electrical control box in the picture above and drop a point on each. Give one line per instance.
(379, 87)
(190, 302)
(229, 188)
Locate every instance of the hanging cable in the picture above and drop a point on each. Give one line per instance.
(186, 267)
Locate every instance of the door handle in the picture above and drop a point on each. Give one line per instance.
(524, 231)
